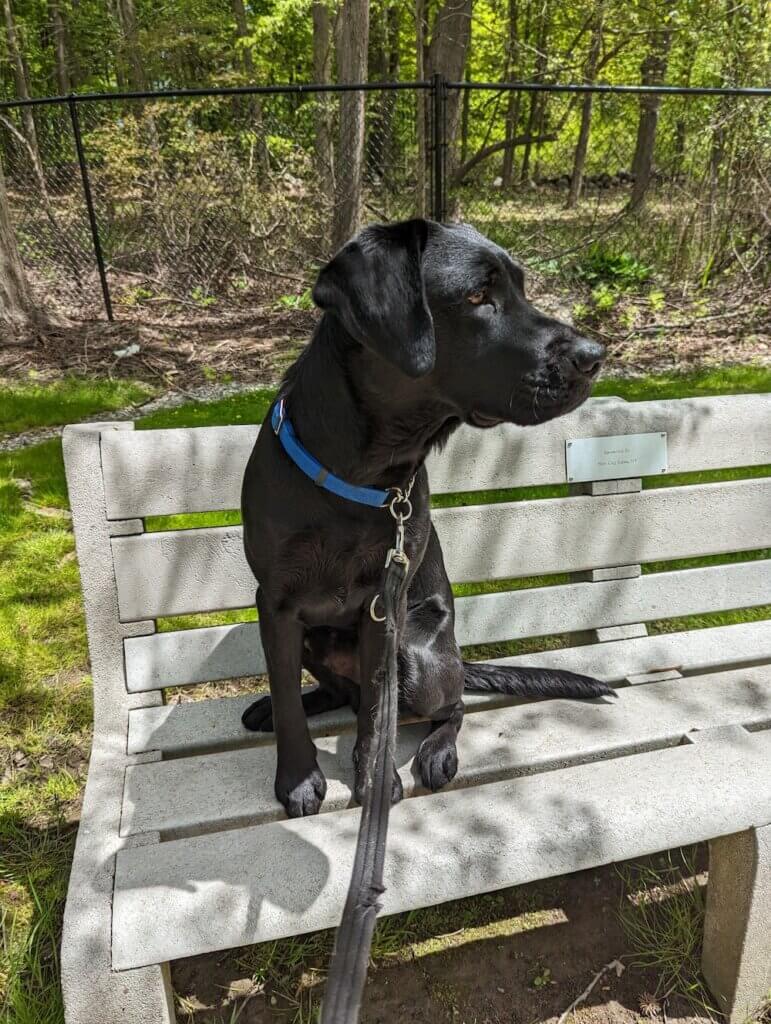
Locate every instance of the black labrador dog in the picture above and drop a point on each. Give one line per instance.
(425, 327)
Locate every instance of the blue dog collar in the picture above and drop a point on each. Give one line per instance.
(312, 468)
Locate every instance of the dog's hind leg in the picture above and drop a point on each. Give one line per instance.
(332, 692)
(437, 758)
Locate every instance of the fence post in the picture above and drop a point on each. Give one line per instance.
(72, 104)
(439, 145)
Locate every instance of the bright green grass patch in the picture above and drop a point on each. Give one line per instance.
(705, 560)
(28, 405)
(248, 407)
(725, 380)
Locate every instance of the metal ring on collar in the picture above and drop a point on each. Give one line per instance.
(400, 499)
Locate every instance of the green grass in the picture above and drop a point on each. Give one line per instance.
(45, 699)
(662, 914)
(725, 380)
(28, 405)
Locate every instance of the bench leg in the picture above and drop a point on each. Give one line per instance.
(736, 959)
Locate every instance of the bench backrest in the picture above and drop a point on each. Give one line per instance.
(182, 571)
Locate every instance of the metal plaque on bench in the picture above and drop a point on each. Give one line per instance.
(615, 458)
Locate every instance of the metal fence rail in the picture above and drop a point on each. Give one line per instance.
(213, 196)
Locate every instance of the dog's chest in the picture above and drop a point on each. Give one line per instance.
(328, 575)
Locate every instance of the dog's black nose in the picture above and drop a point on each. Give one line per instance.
(587, 356)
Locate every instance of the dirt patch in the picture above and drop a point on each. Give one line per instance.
(184, 347)
(521, 956)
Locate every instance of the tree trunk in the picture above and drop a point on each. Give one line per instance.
(322, 74)
(379, 102)
(513, 99)
(447, 55)
(352, 45)
(392, 75)
(421, 112)
(466, 104)
(130, 44)
(59, 42)
(254, 105)
(653, 71)
(16, 309)
(22, 89)
(582, 145)
(537, 113)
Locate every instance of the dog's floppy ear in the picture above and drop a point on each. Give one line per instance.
(374, 286)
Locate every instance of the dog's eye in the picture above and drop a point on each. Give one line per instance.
(478, 297)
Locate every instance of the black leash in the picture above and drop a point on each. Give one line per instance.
(350, 957)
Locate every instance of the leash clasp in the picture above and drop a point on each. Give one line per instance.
(400, 508)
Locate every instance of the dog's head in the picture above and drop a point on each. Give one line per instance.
(446, 307)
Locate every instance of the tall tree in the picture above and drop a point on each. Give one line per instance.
(421, 104)
(22, 87)
(130, 44)
(514, 97)
(537, 112)
(352, 47)
(16, 309)
(653, 71)
(254, 104)
(447, 54)
(590, 75)
(323, 149)
(59, 42)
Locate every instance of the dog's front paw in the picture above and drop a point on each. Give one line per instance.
(301, 797)
(258, 717)
(360, 781)
(437, 761)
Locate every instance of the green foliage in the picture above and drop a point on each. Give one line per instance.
(292, 301)
(603, 264)
(200, 298)
(662, 914)
(33, 404)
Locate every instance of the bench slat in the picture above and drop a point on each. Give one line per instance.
(176, 729)
(161, 472)
(285, 878)
(214, 791)
(183, 571)
(224, 652)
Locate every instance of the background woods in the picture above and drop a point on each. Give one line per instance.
(214, 199)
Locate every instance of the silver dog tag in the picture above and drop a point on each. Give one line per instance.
(615, 458)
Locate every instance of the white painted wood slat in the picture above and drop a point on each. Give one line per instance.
(224, 652)
(183, 571)
(214, 791)
(161, 472)
(290, 877)
(177, 729)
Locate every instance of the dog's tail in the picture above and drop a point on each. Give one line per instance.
(480, 677)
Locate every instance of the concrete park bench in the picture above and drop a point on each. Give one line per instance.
(182, 847)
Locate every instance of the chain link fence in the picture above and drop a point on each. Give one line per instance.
(576, 193)
(218, 198)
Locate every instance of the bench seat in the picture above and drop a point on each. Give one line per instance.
(183, 848)
(289, 877)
